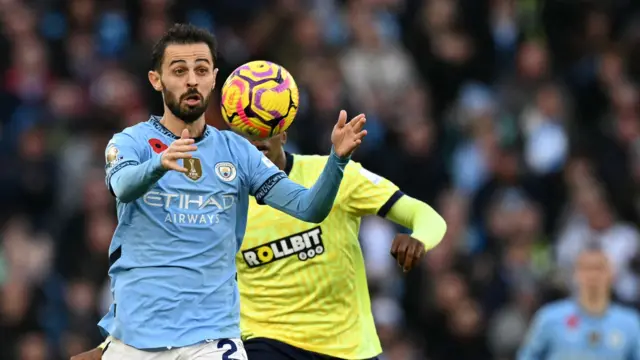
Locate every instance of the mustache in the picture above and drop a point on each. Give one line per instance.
(191, 92)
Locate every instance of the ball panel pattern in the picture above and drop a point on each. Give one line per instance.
(260, 99)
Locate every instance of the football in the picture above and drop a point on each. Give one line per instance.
(259, 99)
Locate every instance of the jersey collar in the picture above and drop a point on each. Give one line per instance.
(155, 121)
(289, 165)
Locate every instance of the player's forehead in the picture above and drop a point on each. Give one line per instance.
(187, 53)
(592, 258)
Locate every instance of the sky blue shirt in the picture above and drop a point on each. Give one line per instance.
(564, 331)
(173, 252)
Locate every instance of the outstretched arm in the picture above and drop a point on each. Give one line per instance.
(311, 205)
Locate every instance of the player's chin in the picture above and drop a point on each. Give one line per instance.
(193, 109)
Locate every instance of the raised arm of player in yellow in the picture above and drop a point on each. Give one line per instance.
(427, 225)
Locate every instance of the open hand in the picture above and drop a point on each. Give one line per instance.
(346, 137)
(407, 251)
(95, 354)
(179, 149)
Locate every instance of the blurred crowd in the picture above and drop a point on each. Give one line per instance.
(518, 120)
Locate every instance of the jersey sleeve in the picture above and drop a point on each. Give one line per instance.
(634, 338)
(262, 175)
(122, 151)
(536, 342)
(367, 193)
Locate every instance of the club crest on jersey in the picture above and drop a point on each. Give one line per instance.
(111, 156)
(304, 245)
(226, 171)
(194, 168)
(616, 339)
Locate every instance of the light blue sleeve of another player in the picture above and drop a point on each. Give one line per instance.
(536, 344)
(271, 186)
(128, 176)
(634, 336)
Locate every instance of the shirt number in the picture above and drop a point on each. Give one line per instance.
(231, 350)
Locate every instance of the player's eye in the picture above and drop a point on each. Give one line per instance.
(202, 71)
(179, 71)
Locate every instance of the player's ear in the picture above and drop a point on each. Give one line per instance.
(155, 80)
(283, 138)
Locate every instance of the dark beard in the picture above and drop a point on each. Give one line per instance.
(186, 113)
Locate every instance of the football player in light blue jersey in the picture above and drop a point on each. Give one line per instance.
(589, 327)
(182, 191)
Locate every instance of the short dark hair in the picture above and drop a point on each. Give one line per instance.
(182, 34)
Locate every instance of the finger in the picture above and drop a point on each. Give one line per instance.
(185, 134)
(342, 119)
(421, 251)
(176, 167)
(394, 247)
(184, 148)
(178, 155)
(408, 262)
(356, 119)
(412, 257)
(183, 142)
(356, 122)
(402, 253)
(361, 135)
(359, 126)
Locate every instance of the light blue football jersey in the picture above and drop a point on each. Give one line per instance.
(173, 252)
(564, 331)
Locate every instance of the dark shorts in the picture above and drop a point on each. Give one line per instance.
(268, 349)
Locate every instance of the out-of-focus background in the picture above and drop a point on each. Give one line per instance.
(517, 119)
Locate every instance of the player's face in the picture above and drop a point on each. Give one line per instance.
(272, 147)
(187, 80)
(593, 272)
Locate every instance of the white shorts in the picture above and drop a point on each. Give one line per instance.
(223, 349)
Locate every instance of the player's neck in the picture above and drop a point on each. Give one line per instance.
(176, 125)
(594, 304)
(281, 161)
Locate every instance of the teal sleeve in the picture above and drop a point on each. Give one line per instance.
(133, 181)
(127, 177)
(634, 353)
(310, 205)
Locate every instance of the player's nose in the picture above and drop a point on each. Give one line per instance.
(192, 79)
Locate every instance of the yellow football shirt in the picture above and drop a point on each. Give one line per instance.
(305, 284)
